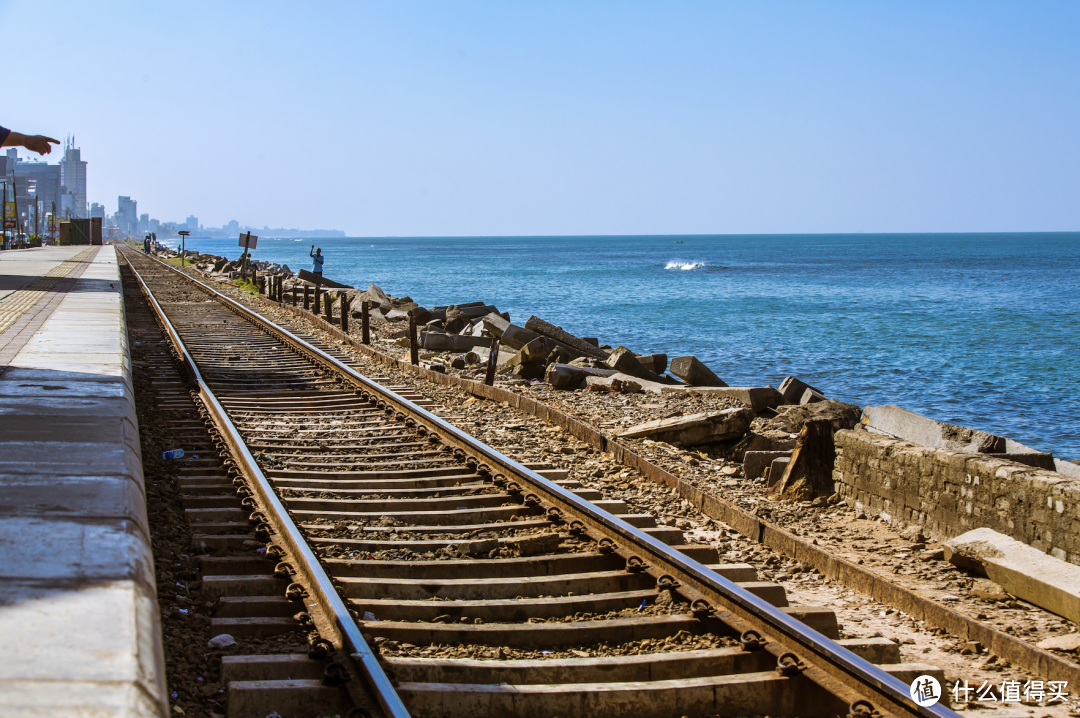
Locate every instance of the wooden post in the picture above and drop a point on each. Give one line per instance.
(328, 306)
(365, 332)
(261, 283)
(307, 298)
(292, 293)
(317, 310)
(345, 313)
(414, 345)
(493, 362)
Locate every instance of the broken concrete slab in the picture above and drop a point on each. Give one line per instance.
(695, 429)
(495, 324)
(1067, 642)
(440, 342)
(616, 383)
(793, 389)
(1021, 570)
(755, 462)
(1067, 468)
(472, 310)
(656, 363)
(693, 372)
(900, 423)
(765, 440)
(538, 325)
(812, 396)
(841, 415)
(757, 398)
(776, 470)
(625, 361)
(516, 337)
(564, 376)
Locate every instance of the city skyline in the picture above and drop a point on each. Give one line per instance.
(607, 118)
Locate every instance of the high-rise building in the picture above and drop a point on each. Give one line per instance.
(191, 224)
(233, 228)
(36, 182)
(73, 176)
(155, 225)
(144, 223)
(127, 218)
(97, 210)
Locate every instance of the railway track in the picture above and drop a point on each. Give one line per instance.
(450, 580)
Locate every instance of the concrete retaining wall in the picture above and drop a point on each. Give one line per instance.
(950, 492)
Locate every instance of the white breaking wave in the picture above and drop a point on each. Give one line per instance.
(676, 264)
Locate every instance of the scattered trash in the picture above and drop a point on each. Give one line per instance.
(195, 457)
(644, 602)
(369, 616)
(182, 610)
(462, 508)
(222, 641)
(174, 454)
(274, 714)
(545, 653)
(260, 550)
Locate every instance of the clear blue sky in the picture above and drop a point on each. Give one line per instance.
(469, 118)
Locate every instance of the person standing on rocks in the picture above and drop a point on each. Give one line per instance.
(316, 260)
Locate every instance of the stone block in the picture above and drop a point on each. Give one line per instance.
(755, 462)
(656, 363)
(564, 376)
(693, 372)
(515, 337)
(757, 398)
(439, 342)
(777, 469)
(584, 348)
(694, 429)
(495, 324)
(625, 361)
(1021, 570)
(793, 389)
(810, 396)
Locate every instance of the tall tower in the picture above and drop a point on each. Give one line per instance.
(73, 175)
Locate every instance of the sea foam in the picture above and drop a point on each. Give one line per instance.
(685, 266)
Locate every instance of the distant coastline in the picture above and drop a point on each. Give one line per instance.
(276, 233)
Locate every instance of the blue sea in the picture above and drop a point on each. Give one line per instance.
(975, 329)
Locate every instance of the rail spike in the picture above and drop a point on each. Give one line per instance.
(701, 609)
(751, 640)
(863, 709)
(788, 664)
(295, 592)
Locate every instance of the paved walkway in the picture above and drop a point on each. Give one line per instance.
(79, 627)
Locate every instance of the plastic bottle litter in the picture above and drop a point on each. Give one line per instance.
(369, 616)
(222, 641)
(174, 454)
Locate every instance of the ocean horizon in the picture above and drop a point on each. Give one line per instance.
(976, 329)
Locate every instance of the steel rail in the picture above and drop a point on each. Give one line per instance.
(286, 529)
(836, 669)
